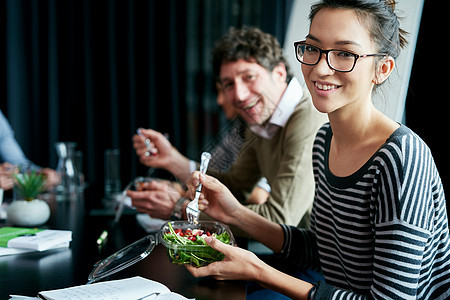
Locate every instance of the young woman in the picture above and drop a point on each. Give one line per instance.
(379, 225)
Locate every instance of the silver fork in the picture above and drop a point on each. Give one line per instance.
(192, 211)
(146, 141)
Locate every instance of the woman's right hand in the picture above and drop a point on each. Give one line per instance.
(215, 200)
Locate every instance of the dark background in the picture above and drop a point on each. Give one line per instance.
(427, 102)
(94, 71)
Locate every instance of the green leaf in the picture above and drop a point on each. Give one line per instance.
(30, 185)
(193, 255)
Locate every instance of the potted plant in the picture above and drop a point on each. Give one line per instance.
(26, 209)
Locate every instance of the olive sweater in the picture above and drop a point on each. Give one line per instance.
(286, 162)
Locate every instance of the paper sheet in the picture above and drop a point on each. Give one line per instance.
(126, 289)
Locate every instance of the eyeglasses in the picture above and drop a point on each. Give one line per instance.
(338, 60)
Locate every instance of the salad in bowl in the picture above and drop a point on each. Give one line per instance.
(185, 242)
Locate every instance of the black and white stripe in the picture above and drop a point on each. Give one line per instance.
(382, 232)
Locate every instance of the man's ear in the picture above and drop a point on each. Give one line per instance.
(384, 69)
(279, 73)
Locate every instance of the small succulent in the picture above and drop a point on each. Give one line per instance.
(30, 184)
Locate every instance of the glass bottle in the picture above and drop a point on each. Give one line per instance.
(68, 187)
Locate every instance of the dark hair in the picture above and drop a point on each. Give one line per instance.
(380, 17)
(250, 44)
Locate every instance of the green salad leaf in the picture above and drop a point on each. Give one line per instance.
(188, 251)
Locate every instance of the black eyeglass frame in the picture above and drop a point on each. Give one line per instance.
(356, 56)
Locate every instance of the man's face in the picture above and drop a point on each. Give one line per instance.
(254, 91)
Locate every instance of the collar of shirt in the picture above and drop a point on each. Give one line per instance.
(291, 98)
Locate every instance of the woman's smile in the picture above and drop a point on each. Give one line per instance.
(324, 88)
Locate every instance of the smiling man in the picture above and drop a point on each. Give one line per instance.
(255, 79)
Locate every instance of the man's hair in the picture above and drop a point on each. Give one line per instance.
(252, 45)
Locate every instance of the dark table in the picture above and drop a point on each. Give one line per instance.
(27, 274)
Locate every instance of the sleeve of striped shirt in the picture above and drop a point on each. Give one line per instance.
(402, 216)
(300, 247)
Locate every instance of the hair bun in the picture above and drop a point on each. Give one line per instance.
(391, 4)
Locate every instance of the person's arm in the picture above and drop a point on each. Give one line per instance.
(219, 203)
(391, 238)
(10, 151)
(260, 193)
(240, 264)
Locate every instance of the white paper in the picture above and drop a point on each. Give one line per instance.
(126, 289)
(12, 251)
(42, 240)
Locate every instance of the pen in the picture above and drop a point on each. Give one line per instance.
(102, 238)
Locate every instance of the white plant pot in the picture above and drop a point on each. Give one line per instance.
(28, 213)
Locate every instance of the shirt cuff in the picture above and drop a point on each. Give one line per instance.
(321, 290)
(262, 183)
(287, 240)
(192, 166)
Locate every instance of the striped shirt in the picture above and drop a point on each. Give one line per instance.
(380, 233)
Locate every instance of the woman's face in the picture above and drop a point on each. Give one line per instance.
(332, 90)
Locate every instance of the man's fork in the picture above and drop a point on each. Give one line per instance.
(192, 211)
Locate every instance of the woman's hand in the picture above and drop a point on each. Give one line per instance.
(239, 264)
(215, 200)
(219, 203)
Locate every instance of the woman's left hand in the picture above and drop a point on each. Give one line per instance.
(239, 264)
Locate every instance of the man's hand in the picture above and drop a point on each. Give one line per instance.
(161, 154)
(157, 198)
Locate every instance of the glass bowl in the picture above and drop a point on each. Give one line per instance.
(197, 255)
